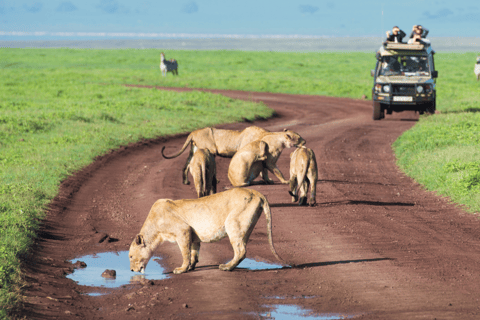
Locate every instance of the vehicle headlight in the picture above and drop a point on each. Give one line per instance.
(428, 88)
(386, 88)
(419, 89)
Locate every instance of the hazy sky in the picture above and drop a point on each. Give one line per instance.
(64, 19)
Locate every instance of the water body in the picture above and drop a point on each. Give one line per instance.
(293, 312)
(251, 264)
(343, 44)
(118, 261)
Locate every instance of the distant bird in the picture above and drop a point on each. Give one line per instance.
(168, 65)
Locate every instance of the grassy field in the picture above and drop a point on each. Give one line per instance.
(60, 108)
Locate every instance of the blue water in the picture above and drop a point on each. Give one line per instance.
(293, 312)
(251, 264)
(118, 261)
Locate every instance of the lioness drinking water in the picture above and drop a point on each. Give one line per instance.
(189, 222)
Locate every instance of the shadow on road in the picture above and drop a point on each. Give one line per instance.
(330, 263)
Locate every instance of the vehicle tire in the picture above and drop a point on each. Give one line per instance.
(377, 111)
(431, 107)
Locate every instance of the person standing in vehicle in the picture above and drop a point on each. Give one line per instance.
(419, 31)
(418, 35)
(396, 35)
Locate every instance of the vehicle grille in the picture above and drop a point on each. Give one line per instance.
(403, 89)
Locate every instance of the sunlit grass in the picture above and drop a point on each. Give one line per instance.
(60, 108)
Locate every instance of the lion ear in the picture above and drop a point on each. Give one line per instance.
(139, 240)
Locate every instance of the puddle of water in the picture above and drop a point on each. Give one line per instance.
(251, 264)
(295, 297)
(118, 261)
(95, 294)
(293, 312)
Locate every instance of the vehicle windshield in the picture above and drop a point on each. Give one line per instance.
(404, 65)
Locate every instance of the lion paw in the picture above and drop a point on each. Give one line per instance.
(225, 267)
(179, 270)
(302, 201)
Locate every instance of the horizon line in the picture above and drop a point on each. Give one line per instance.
(169, 35)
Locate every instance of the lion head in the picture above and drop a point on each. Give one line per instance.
(139, 254)
(293, 139)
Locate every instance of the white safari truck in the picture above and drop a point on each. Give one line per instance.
(404, 79)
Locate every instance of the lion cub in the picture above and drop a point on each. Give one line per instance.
(231, 213)
(303, 171)
(240, 171)
(203, 170)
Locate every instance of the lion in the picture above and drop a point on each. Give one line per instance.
(244, 169)
(203, 170)
(303, 172)
(231, 213)
(221, 142)
(242, 162)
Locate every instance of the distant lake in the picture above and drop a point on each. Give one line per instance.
(366, 44)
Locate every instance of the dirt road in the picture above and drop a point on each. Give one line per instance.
(376, 246)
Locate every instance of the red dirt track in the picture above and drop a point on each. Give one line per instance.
(376, 246)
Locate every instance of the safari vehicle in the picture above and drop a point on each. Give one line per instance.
(404, 79)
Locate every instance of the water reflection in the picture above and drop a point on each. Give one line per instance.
(118, 261)
(251, 264)
(293, 312)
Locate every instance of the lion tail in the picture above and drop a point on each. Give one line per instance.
(268, 215)
(204, 179)
(186, 144)
(301, 176)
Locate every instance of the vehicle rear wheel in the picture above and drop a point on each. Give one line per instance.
(377, 111)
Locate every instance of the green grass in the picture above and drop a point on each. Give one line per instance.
(341, 74)
(60, 108)
(442, 151)
(55, 118)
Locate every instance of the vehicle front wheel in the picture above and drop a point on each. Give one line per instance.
(431, 107)
(377, 111)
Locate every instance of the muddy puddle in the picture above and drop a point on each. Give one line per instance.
(294, 312)
(118, 261)
(251, 264)
(91, 275)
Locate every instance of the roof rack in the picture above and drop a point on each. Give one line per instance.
(403, 46)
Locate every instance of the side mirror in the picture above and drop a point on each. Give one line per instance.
(372, 72)
(435, 74)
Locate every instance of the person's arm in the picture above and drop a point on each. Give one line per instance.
(424, 33)
(413, 31)
(389, 35)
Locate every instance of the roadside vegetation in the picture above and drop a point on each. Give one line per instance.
(57, 115)
(442, 152)
(60, 108)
